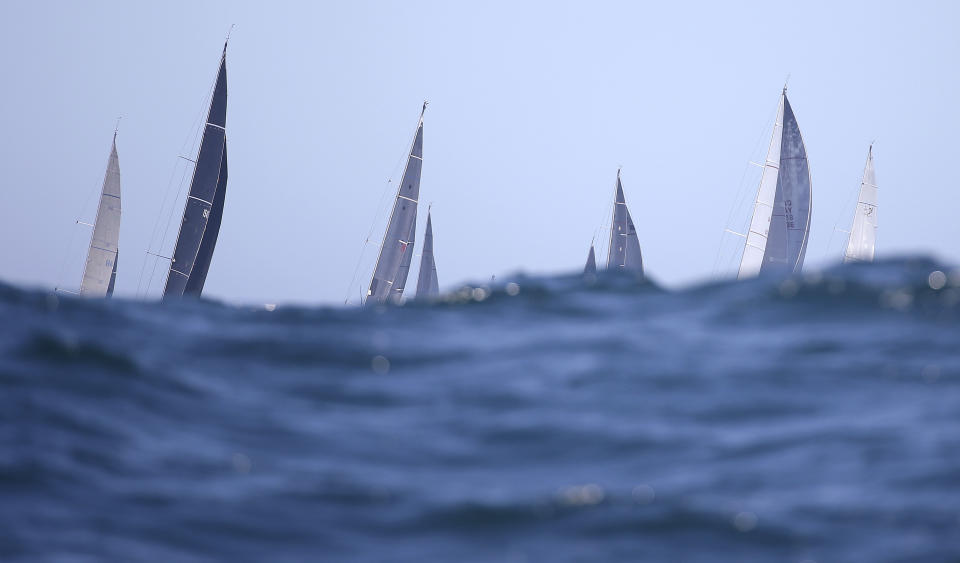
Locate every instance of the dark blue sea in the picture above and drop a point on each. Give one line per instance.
(545, 419)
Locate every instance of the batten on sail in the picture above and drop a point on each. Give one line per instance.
(204, 207)
(100, 270)
(396, 250)
(862, 241)
(428, 286)
(624, 251)
(780, 225)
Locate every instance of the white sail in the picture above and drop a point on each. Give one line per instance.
(397, 246)
(428, 286)
(780, 226)
(863, 233)
(102, 254)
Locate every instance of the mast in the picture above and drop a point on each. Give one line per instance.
(624, 251)
(428, 286)
(397, 247)
(780, 226)
(195, 242)
(862, 241)
(99, 272)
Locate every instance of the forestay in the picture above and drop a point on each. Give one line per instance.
(100, 270)
(863, 233)
(202, 212)
(780, 226)
(393, 263)
(624, 253)
(428, 286)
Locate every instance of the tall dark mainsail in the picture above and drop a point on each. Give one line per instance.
(428, 286)
(780, 226)
(393, 263)
(100, 270)
(204, 209)
(624, 253)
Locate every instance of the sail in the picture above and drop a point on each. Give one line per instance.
(198, 276)
(428, 286)
(404, 272)
(210, 166)
(624, 252)
(863, 232)
(113, 276)
(780, 226)
(591, 266)
(100, 268)
(397, 246)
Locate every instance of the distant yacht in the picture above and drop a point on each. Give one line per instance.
(863, 233)
(624, 251)
(780, 227)
(100, 271)
(428, 287)
(396, 249)
(204, 208)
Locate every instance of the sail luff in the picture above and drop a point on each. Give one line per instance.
(101, 260)
(428, 286)
(397, 239)
(203, 189)
(756, 242)
(861, 243)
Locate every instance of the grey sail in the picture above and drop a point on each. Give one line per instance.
(100, 269)
(780, 227)
(624, 252)
(198, 276)
(862, 241)
(591, 266)
(428, 286)
(206, 182)
(397, 247)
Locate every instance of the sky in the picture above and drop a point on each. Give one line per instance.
(533, 107)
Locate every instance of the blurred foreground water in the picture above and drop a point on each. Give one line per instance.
(548, 419)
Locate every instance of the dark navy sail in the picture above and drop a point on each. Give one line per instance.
(210, 167)
(113, 276)
(205, 255)
(591, 266)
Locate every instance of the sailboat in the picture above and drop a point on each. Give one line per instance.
(863, 233)
(624, 252)
(780, 227)
(428, 287)
(396, 250)
(591, 265)
(100, 271)
(204, 208)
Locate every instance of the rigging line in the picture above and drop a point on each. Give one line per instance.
(844, 211)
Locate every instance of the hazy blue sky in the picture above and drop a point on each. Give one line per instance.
(532, 108)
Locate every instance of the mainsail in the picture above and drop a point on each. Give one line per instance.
(591, 266)
(427, 284)
(624, 253)
(780, 227)
(204, 209)
(393, 264)
(863, 233)
(100, 270)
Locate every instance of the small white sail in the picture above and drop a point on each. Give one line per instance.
(780, 226)
(102, 254)
(863, 233)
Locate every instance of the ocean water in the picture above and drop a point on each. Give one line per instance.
(548, 419)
